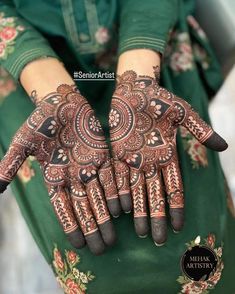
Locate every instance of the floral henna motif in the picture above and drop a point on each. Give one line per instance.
(143, 120)
(67, 140)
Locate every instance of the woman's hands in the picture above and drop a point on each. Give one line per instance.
(143, 120)
(67, 140)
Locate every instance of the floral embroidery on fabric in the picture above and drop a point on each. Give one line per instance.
(179, 53)
(69, 277)
(7, 84)
(196, 27)
(201, 56)
(8, 32)
(102, 35)
(26, 172)
(203, 287)
(194, 148)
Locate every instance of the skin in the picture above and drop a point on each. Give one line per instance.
(43, 78)
(144, 118)
(68, 142)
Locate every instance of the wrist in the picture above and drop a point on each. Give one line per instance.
(43, 76)
(140, 81)
(139, 60)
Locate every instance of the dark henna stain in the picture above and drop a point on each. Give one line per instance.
(216, 143)
(143, 121)
(67, 139)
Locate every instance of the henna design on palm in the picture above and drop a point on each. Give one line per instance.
(67, 140)
(143, 121)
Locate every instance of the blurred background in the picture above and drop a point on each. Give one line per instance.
(18, 249)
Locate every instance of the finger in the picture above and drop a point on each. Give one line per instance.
(108, 183)
(64, 212)
(122, 176)
(100, 210)
(156, 205)
(86, 219)
(199, 128)
(11, 163)
(139, 202)
(175, 197)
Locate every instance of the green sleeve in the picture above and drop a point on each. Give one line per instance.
(146, 24)
(20, 43)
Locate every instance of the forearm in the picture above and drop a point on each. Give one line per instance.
(139, 60)
(44, 76)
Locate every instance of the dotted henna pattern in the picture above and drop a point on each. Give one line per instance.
(67, 140)
(143, 121)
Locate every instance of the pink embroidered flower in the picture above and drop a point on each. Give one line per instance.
(69, 277)
(215, 278)
(58, 262)
(211, 240)
(72, 257)
(194, 288)
(195, 25)
(8, 34)
(179, 53)
(2, 49)
(197, 152)
(181, 61)
(102, 35)
(25, 173)
(73, 288)
(185, 48)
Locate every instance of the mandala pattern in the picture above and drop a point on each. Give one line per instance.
(67, 140)
(203, 287)
(143, 120)
(70, 279)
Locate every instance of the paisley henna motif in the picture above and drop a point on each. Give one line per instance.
(143, 121)
(67, 140)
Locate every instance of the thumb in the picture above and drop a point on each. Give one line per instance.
(199, 128)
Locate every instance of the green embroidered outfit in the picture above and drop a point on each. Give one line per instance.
(89, 35)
